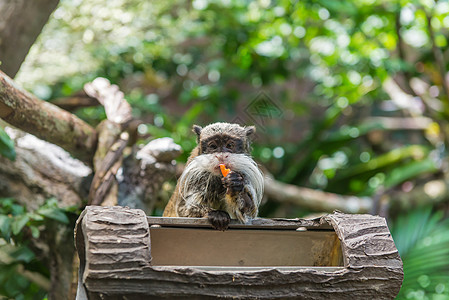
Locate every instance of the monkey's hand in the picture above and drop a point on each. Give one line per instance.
(247, 206)
(219, 219)
(238, 198)
(233, 182)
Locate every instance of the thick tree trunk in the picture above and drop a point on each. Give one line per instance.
(21, 21)
(46, 121)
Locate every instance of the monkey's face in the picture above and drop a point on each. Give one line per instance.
(222, 143)
(220, 149)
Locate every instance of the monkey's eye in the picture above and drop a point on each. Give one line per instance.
(230, 145)
(213, 146)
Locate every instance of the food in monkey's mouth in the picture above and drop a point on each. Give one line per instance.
(224, 171)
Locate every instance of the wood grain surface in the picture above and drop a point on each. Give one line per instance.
(114, 246)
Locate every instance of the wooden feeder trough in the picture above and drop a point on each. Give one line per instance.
(126, 255)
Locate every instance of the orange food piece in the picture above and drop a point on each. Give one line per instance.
(224, 171)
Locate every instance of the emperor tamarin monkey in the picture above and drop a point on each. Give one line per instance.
(203, 191)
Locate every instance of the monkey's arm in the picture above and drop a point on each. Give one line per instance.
(247, 201)
(240, 197)
(194, 206)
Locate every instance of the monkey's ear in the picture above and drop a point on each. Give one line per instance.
(197, 129)
(250, 130)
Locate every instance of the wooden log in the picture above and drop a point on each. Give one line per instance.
(115, 249)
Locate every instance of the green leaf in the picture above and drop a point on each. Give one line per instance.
(18, 223)
(406, 172)
(17, 209)
(416, 225)
(35, 217)
(23, 254)
(5, 227)
(393, 157)
(35, 232)
(346, 133)
(53, 213)
(422, 239)
(6, 145)
(410, 170)
(6, 204)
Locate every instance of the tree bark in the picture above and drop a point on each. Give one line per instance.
(76, 101)
(21, 21)
(112, 140)
(41, 171)
(145, 172)
(46, 121)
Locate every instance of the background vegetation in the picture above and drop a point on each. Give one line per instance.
(349, 97)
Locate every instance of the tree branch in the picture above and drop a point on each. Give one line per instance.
(76, 101)
(111, 142)
(314, 199)
(432, 192)
(399, 123)
(21, 22)
(46, 121)
(106, 170)
(438, 55)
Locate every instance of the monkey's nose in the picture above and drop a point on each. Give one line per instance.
(219, 157)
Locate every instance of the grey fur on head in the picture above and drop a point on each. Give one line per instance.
(233, 130)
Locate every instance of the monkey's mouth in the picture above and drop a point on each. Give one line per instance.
(211, 162)
(217, 170)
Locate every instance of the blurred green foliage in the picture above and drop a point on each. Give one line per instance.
(6, 145)
(422, 238)
(323, 63)
(313, 76)
(22, 271)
